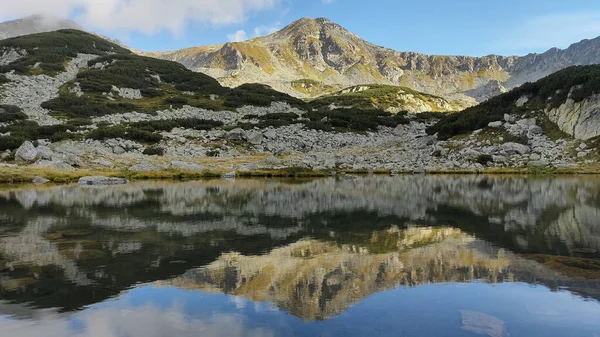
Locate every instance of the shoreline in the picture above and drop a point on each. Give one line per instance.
(26, 174)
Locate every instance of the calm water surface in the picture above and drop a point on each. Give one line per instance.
(373, 256)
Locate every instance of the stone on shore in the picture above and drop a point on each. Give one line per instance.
(102, 181)
(40, 180)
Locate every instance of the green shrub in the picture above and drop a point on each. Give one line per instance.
(10, 142)
(30, 130)
(77, 107)
(176, 100)
(521, 139)
(120, 131)
(186, 123)
(11, 113)
(154, 151)
(3, 79)
(484, 159)
(317, 125)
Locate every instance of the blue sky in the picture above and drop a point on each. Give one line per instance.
(457, 27)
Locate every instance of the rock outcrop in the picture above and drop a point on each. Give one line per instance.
(579, 119)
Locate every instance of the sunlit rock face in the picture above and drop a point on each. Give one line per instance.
(311, 247)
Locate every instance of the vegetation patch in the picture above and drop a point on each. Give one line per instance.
(30, 130)
(3, 79)
(185, 123)
(120, 131)
(73, 107)
(354, 119)
(11, 113)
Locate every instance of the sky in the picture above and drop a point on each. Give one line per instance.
(446, 27)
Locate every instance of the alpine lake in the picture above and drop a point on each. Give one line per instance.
(337, 257)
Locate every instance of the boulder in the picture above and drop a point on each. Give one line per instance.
(526, 122)
(534, 130)
(254, 137)
(236, 134)
(26, 152)
(535, 157)
(143, 167)
(515, 148)
(581, 154)
(55, 164)
(118, 150)
(509, 119)
(184, 166)
(40, 180)
(231, 174)
(538, 163)
(495, 124)
(103, 162)
(44, 152)
(102, 181)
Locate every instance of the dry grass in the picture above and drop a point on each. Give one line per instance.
(25, 174)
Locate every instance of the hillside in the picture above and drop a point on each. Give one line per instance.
(568, 102)
(324, 52)
(389, 98)
(70, 99)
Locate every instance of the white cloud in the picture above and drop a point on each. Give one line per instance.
(544, 32)
(240, 35)
(267, 29)
(147, 16)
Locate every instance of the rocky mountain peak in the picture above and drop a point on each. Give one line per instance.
(35, 24)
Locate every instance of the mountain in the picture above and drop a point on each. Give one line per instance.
(42, 24)
(35, 24)
(322, 51)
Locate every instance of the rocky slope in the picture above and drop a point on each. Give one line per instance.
(322, 51)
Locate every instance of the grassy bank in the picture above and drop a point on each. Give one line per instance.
(24, 174)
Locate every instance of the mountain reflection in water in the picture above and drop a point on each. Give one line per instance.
(264, 257)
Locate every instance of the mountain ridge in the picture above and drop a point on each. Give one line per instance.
(324, 51)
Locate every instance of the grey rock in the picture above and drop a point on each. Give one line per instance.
(495, 124)
(509, 119)
(5, 155)
(118, 150)
(102, 181)
(55, 164)
(181, 165)
(526, 122)
(583, 146)
(103, 162)
(515, 148)
(534, 130)
(40, 180)
(236, 134)
(538, 163)
(231, 174)
(582, 154)
(143, 167)
(535, 157)
(254, 137)
(44, 152)
(26, 152)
